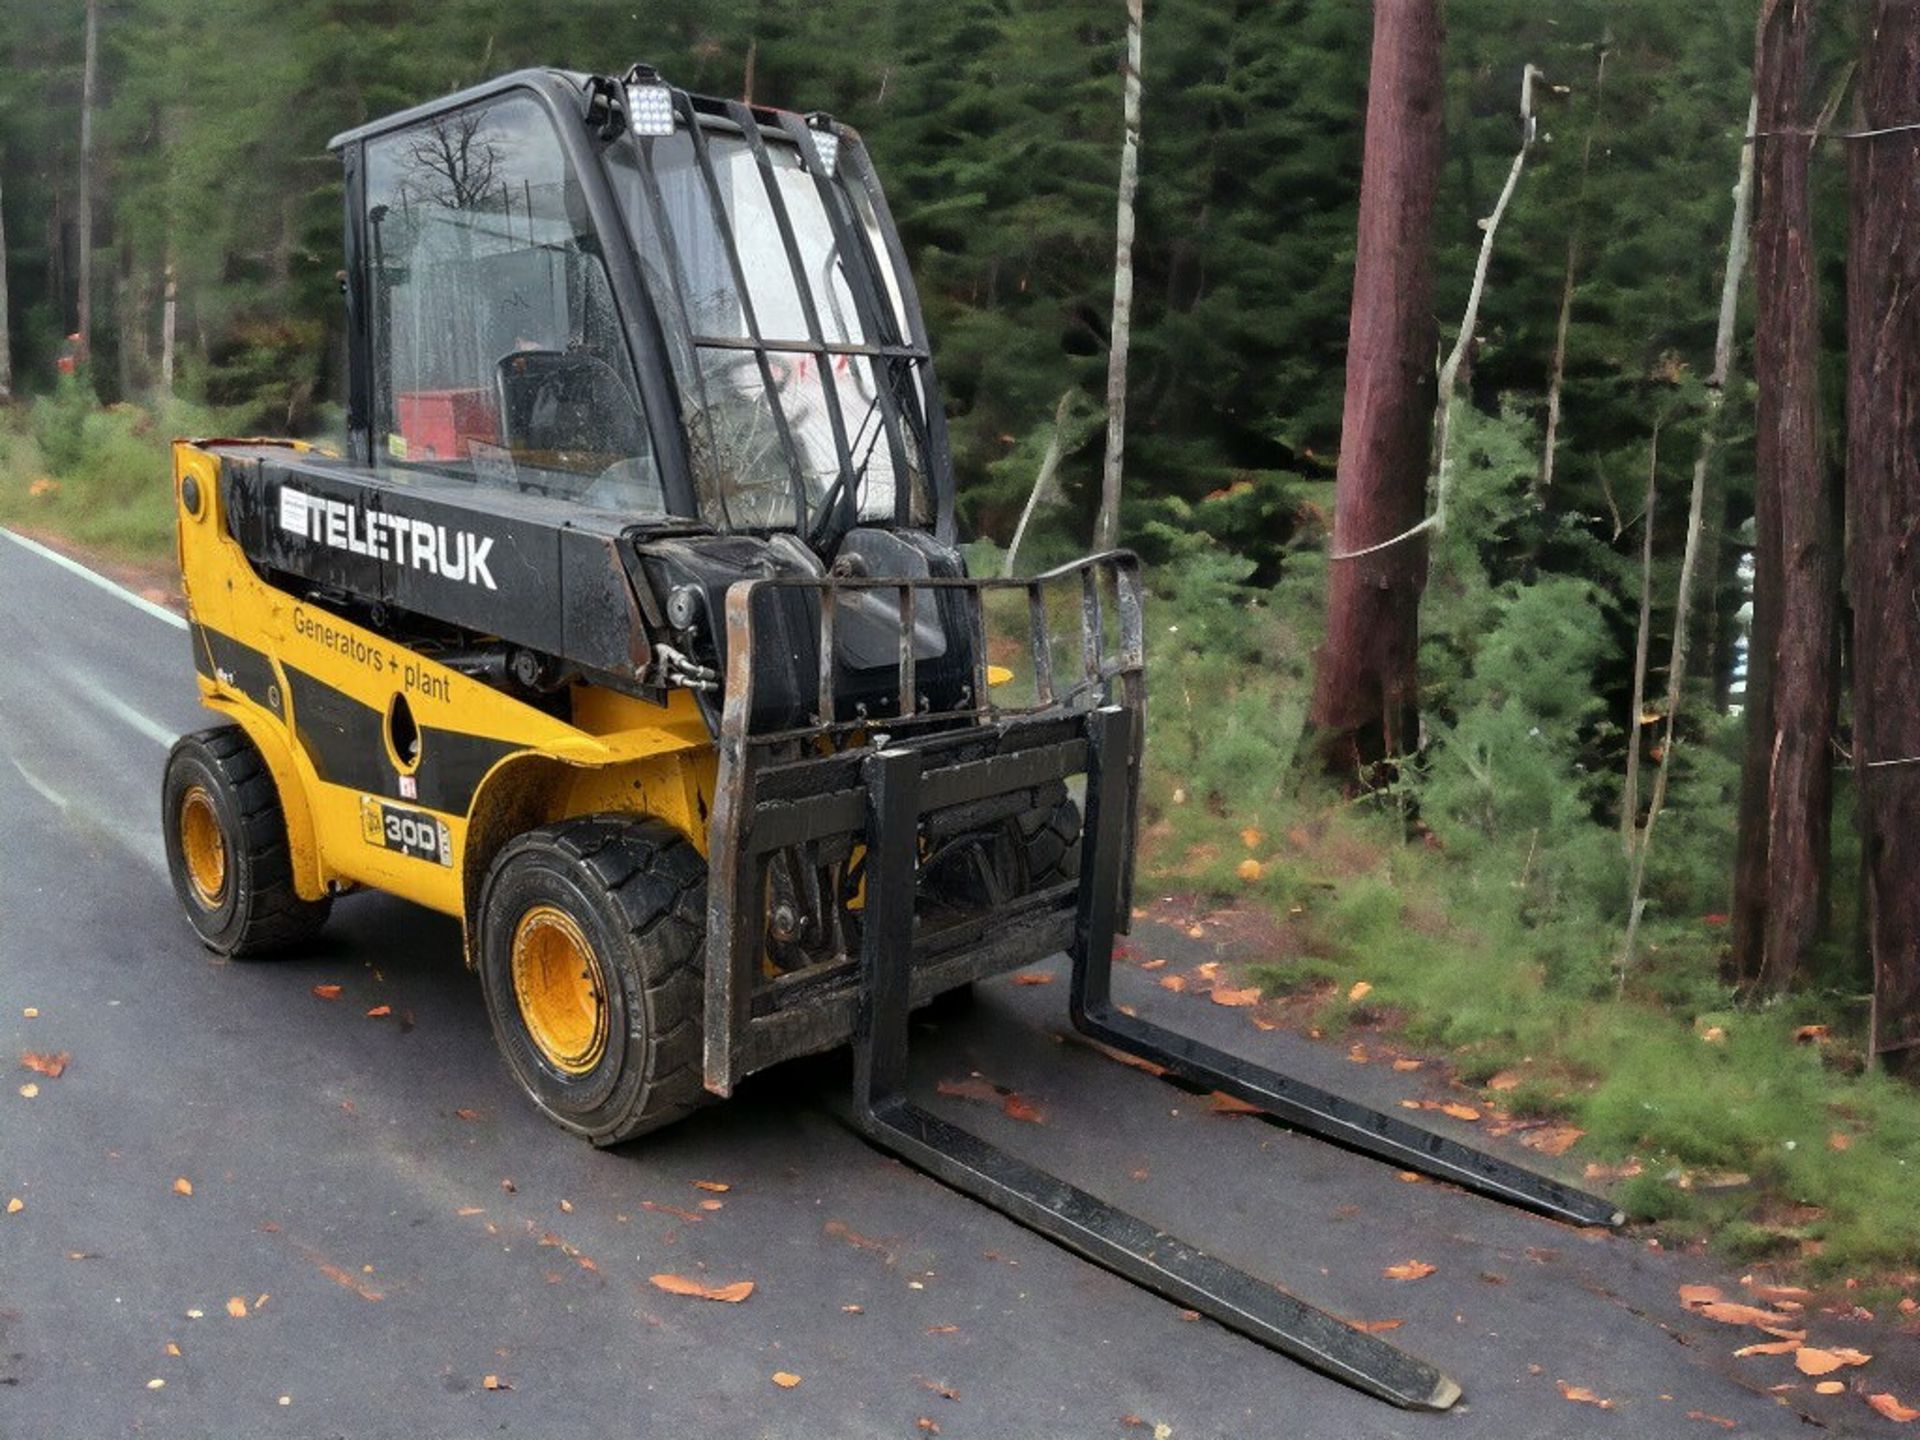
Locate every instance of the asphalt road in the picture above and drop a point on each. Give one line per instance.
(397, 1225)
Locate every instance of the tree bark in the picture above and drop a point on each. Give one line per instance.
(1883, 514)
(1792, 765)
(89, 76)
(6, 331)
(169, 328)
(1365, 695)
(1558, 373)
(1107, 531)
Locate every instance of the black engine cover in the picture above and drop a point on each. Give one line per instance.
(786, 621)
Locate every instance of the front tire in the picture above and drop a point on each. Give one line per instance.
(591, 941)
(227, 849)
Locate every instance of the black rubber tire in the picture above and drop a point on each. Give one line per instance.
(259, 911)
(1049, 844)
(638, 892)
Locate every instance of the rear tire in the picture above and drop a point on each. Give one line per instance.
(227, 850)
(591, 949)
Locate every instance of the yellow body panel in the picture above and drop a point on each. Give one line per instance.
(613, 752)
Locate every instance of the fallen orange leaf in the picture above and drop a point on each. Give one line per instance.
(718, 1187)
(712, 1204)
(1624, 1171)
(1374, 1327)
(1409, 1270)
(466, 1114)
(1225, 1104)
(327, 992)
(1691, 1295)
(1505, 1080)
(1729, 1312)
(237, 1308)
(1830, 1387)
(1777, 1294)
(1553, 1140)
(1580, 1395)
(183, 1186)
(1360, 990)
(928, 1424)
(494, 1382)
(1839, 1140)
(785, 1379)
(1405, 1065)
(1720, 1420)
(1248, 869)
(1890, 1407)
(1034, 977)
(1156, 964)
(377, 1011)
(1770, 1347)
(470, 1210)
(1175, 983)
(16, 1205)
(1251, 838)
(29, 1090)
(1461, 1112)
(1812, 1361)
(731, 1294)
(1807, 1034)
(972, 1088)
(1250, 996)
(1018, 1107)
(1196, 932)
(47, 1065)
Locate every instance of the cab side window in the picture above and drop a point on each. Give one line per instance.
(498, 355)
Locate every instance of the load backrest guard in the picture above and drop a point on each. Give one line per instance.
(1075, 635)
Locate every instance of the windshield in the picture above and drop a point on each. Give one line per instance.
(497, 352)
(787, 328)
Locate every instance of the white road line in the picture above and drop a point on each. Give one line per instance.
(51, 796)
(118, 708)
(139, 843)
(66, 563)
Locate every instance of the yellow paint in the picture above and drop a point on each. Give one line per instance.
(203, 847)
(560, 988)
(613, 753)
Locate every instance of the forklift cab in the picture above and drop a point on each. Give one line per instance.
(691, 318)
(680, 309)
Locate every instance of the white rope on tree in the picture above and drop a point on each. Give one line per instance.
(1450, 369)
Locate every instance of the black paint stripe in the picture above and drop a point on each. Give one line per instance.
(344, 739)
(237, 666)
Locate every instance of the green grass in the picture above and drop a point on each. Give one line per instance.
(1466, 961)
(99, 476)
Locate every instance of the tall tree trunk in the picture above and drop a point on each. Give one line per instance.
(1718, 380)
(1107, 532)
(1883, 514)
(6, 330)
(89, 76)
(1797, 723)
(1558, 373)
(169, 329)
(1365, 693)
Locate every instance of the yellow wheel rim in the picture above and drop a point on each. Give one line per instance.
(204, 847)
(558, 984)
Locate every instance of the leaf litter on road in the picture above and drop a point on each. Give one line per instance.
(1581, 1395)
(51, 1066)
(1409, 1270)
(1890, 1406)
(732, 1293)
